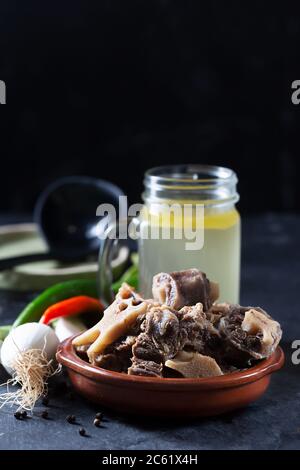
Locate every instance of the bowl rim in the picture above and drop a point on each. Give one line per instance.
(67, 356)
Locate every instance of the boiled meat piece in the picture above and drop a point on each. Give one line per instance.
(251, 330)
(196, 331)
(117, 320)
(182, 288)
(162, 326)
(145, 368)
(117, 356)
(217, 311)
(158, 341)
(165, 332)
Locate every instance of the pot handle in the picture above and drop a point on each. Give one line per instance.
(116, 231)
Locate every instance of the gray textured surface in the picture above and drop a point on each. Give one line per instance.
(270, 278)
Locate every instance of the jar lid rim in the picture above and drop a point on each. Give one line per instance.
(189, 181)
(192, 174)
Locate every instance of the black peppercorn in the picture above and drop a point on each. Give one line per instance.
(71, 419)
(99, 415)
(23, 414)
(17, 415)
(97, 423)
(82, 432)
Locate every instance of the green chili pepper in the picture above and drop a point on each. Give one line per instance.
(54, 294)
(130, 276)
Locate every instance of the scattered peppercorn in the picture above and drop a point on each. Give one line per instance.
(23, 414)
(82, 432)
(17, 415)
(97, 423)
(45, 400)
(99, 415)
(71, 419)
(45, 414)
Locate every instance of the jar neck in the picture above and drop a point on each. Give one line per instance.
(205, 184)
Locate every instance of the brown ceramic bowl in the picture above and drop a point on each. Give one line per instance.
(168, 397)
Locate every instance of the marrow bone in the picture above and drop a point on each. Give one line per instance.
(250, 329)
(256, 323)
(117, 320)
(182, 288)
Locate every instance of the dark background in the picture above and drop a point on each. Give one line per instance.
(111, 88)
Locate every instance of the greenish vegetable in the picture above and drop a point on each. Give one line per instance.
(130, 276)
(135, 259)
(54, 294)
(4, 330)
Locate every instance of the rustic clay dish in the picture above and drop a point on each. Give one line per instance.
(168, 397)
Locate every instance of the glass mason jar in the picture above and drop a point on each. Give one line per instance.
(214, 189)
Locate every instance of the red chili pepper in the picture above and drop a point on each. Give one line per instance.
(70, 307)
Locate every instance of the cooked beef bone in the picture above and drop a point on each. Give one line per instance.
(251, 330)
(182, 288)
(145, 349)
(145, 368)
(216, 312)
(162, 326)
(159, 340)
(193, 364)
(165, 332)
(81, 351)
(117, 356)
(117, 320)
(196, 331)
(258, 323)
